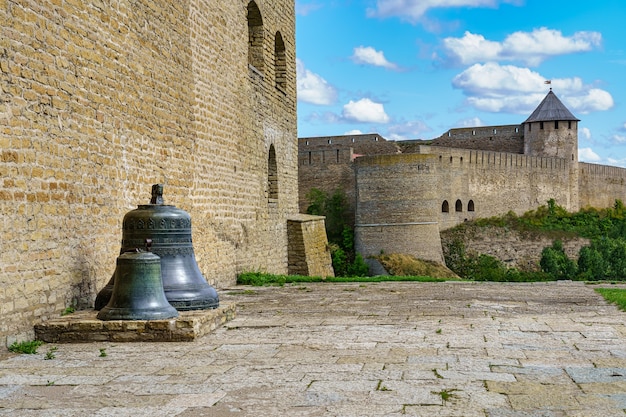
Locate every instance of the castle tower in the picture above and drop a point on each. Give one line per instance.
(552, 131)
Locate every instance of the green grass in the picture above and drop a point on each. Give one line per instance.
(614, 295)
(261, 279)
(29, 347)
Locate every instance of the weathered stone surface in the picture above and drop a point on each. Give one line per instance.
(348, 349)
(83, 327)
(102, 99)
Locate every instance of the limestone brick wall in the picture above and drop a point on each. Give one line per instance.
(101, 99)
(509, 246)
(495, 183)
(308, 246)
(601, 185)
(400, 198)
(397, 206)
(325, 163)
(507, 138)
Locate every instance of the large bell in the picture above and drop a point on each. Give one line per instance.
(169, 228)
(138, 290)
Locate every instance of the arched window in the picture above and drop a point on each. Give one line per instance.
(272, 176)
(255, 37)
(445, 208)
(280, 62)
(458, 206)
(470, 205)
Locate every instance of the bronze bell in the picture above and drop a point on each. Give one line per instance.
(169, 228)
(138, 290)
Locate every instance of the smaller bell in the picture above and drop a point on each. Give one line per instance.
(138, 290)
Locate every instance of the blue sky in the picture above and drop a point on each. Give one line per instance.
(412, 69)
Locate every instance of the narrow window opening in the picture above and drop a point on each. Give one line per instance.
(450, 159)
(556, 124)
(569, 124)
(255, 37)
(337, 155)
(495, 131)
(541, 125)
(310, 158)
(458, 206)
(530, 127)
(445, 208)
(280, 62)
(470, 205)
(272, 175)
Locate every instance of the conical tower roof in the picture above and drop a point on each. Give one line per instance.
(551, 109)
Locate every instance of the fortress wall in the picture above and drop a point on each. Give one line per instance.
(326, 170)
(240, 114)
(601, 185)
(367, 144)
(507, 138)
(400, 197)
(397, 206)
(325, 163)
(99, 101)
(496, 182)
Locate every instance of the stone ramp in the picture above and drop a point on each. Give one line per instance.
(389, 349)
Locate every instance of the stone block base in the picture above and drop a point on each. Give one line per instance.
(83, 326)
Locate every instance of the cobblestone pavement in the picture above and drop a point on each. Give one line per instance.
(390, 349)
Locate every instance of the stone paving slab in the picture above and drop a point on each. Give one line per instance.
(388, 349)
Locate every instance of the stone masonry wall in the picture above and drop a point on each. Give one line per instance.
(101, 99)
(308, 247)
(495, 182)
(508, 138)
(600, 185)
(405, 193)
(509, 246)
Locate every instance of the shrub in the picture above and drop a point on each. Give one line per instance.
(554, 261)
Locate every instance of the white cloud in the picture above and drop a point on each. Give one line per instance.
(472, 48)
(532, 48)
(409, 130)
(591, 100)
(413, 10)
(353, 132)
(618, 139)
(508, 88)
(471, 122)
(370, 56)
(588, 155)
(585, 132)
(616, 162)
(304, 9)
(312, 88)
(365, 110)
